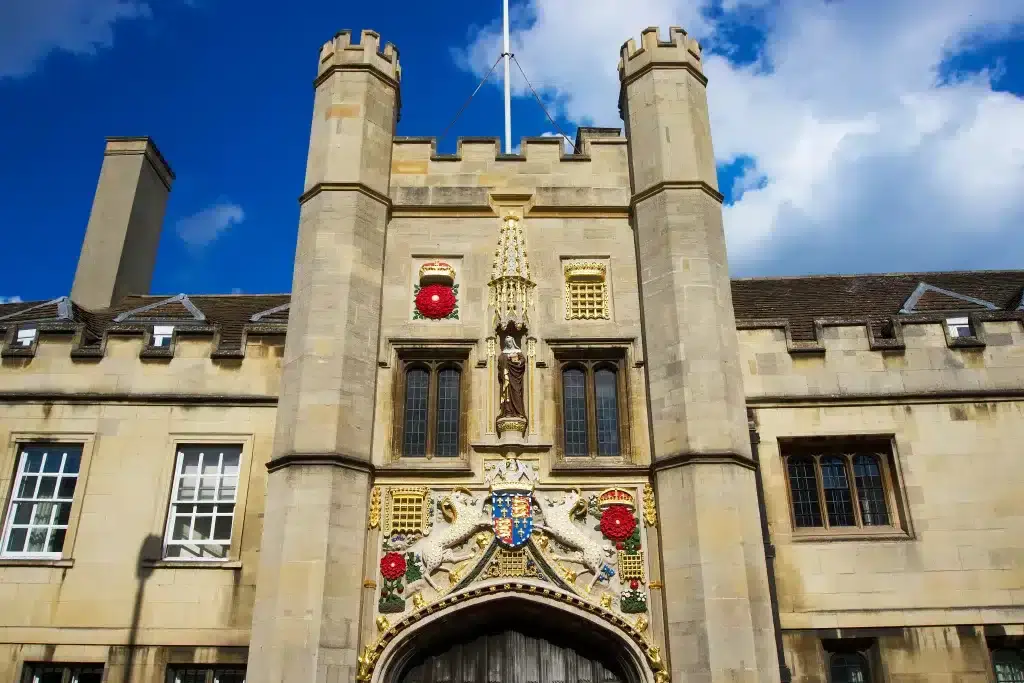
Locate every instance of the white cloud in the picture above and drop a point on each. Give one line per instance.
(10, 299)
(865, 155)
(32, 29)
(202, 228)
(568, 144)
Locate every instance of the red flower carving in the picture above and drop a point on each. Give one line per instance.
(634, 584)
(392, 566)
(435, 301)
(617, 522)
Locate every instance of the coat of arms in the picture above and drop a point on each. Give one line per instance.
(512, 503)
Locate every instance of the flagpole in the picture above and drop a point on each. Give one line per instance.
(507, 55)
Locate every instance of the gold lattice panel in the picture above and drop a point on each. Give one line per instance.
(586, 300)
(631, 565)
(510, 563)
(406, 511)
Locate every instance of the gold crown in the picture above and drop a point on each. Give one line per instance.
(437, 271)
(615, 496)
(585, 270)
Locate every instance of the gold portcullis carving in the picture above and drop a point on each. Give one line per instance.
(650, 508)
(374, 520)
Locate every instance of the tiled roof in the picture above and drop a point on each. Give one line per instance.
(798, 300)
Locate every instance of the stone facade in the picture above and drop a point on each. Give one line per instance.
(672, 488)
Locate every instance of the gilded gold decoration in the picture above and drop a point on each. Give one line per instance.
(366, 662)
(418, 601)
(406, 511)
(654, 659)
(511, 424)
(511, 289)
(586, 291)
(542, 542)
(650, 508)
(640, 624)
(369, 583)
(606, 601)
(483, 539)
(511, 563)
(631, 565)
(437, 272)
(615, 496)
(382, 624)
(656, 584)
(374, 520)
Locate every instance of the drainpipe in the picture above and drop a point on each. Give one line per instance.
(769, 550)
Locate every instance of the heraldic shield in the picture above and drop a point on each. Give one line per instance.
(512, 514)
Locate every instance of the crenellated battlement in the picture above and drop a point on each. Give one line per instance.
(341, 51)
(599, 178)
(679, 49)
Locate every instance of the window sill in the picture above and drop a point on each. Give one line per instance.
(859, 534)
(598, 464)
(36, 562)
(451, 465)
(192, 564)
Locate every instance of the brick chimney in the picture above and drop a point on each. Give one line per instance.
(119, 251)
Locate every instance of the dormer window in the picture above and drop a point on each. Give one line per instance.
(162, 336)
(26, 336)
(959, 327)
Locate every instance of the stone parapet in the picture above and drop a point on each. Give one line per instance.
(680, 51)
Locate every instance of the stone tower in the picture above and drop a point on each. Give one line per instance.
(310, 575)
(718, 613)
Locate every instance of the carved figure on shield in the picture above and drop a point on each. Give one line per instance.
(511, 371)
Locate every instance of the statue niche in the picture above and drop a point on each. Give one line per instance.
(511, 382)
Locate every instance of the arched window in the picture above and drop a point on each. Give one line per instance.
(804, 488)
(606, 394)
(594, 413)
(1009, 666)
(867, 473)
(574, 411)
(430, 399)
(449, 381)
(835, 484)
(848, 668)
(414, 433)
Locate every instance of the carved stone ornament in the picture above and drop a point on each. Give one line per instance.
(585, 544)
(650, 508)
(374, 519)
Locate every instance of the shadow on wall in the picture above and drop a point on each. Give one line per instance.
(150, 551)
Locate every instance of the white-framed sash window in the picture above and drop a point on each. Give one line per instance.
(203, 498)
(37, 518)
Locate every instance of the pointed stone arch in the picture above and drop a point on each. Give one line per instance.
(532, 623)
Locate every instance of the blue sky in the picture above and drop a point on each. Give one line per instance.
(851, 136)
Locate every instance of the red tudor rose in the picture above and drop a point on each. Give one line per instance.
(617, 522)
(392, 566)
(435, 301)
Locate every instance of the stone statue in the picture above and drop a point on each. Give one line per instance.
(511, 371)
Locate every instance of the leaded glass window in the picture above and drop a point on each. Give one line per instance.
(220, 674)
(592, 408)
(1009, 666)
(44, 489)
(63, 673)
(429, 420)
(417, 387)
(839, 484)
(574, 395)
(848, 668)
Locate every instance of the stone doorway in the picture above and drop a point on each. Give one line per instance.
(512, 641)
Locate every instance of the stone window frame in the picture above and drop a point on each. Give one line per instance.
(69, 670)
(177, 440)
(592, 359)
(434, 357)
(845, 445)
(9, 463)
